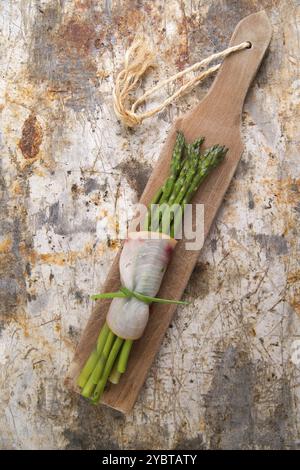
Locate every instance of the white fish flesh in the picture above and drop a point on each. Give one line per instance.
(143, 262)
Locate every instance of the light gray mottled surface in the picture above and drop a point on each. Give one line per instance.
(226, 376)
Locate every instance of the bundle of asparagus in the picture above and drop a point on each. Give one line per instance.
(129, 310)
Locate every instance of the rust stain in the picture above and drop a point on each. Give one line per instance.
(38, 364)
(59, 258)
(87, 6)
(78, 34)
(6, 245)
(69, 67)
(102, 74)
(23, 322)
(76, 190)
(286, 197)
(294, 277)
(129, 22)
(294, 302)
(23, 96)
(284, 192)
(113, 244)
(293, 282)
(95, 199)
(32, 136)
(16, 188)
(39, 172)
(63, 258)
(88, 249)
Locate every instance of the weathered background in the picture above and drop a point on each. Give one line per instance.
(226, 376)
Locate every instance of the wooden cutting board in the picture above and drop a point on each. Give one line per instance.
(218, 118)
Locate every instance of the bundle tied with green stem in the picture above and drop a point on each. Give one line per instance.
(142, 265)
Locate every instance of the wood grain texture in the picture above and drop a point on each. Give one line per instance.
(218, 118)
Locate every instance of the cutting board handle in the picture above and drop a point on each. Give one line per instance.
(228, 92)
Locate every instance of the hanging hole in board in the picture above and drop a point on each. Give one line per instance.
(249, 45)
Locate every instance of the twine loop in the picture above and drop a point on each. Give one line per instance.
(138, 59)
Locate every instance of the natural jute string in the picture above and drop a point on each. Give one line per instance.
(138, 59)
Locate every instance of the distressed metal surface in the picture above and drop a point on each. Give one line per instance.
(224, 377)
